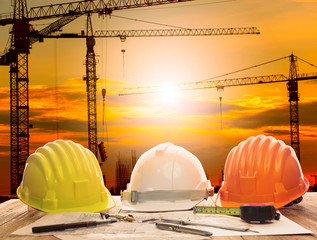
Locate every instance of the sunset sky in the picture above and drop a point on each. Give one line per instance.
(189, 119)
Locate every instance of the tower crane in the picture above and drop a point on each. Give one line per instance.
(17, 58)
(291, 82)
(123, 34)
(91, 88)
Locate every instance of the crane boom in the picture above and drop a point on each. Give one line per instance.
(219, 84)
(171, 32)
(55, 26)
(92, 6)
(84, 7)
(51, 28)
(177, 32)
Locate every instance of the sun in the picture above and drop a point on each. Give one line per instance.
(169, 93)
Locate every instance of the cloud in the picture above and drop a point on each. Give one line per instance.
(4, 150)
(47, 95)
(181, 107)
(207, 108)
(277, 132)
(310, 135)
(307, 113)
(309, 82)
(48, 125)
(5, 117)
(274, 117)
(277, 117)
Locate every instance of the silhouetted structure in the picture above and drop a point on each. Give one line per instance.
(124, 169)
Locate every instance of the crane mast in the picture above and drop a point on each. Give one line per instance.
(17, 58)
(19, 93)
(292, 87)
(91, 79)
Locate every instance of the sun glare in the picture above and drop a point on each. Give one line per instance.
(169, 93)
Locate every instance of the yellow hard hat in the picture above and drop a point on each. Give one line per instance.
(63, 176)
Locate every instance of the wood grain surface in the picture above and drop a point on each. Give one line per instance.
(14, 214)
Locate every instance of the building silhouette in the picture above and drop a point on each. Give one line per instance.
(124, 167)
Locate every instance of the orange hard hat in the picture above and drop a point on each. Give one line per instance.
(262, 170)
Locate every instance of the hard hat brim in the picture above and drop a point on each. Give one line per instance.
(96, 207)
(159, 206)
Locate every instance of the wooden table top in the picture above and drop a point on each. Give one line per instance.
(14, 215)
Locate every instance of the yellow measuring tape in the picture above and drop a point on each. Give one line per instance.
(247, 212)
(217, 210)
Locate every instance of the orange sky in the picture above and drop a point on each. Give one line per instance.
(189, 119)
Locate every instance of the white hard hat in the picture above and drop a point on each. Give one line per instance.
(166, 178)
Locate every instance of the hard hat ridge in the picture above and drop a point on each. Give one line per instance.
(166, 178)
(63, 176)
(262, 170)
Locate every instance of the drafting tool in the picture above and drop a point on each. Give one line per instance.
(62, 227)
(181, 222)
(240, 229)
(247, 212)
(179, 228)
(128, 218)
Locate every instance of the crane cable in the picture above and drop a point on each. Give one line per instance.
(144, 21)
(258, 65)
(220, 98)
(220, 103)
(123, 68)
(307, 62)
(104, 85)
(56, 89)
(185, 6)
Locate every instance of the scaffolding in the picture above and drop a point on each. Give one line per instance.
(124, 167)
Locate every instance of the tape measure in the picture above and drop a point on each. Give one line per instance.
(247, 212)
(217, 210)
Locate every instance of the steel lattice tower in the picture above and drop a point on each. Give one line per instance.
(19, 93)
(292, 87)
(91, 80)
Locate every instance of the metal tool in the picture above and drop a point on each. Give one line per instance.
(181, 222)
(240, 229)
(128, 218)
(178, 228)
(62, 227)
(247, 212)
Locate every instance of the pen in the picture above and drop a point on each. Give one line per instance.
(62, 227)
